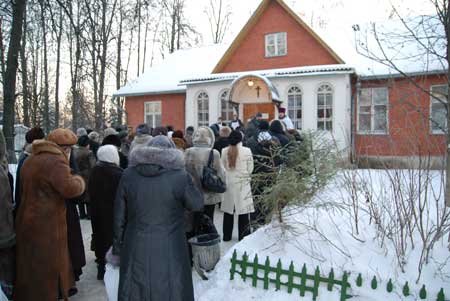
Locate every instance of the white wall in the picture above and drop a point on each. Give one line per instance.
(309, 84)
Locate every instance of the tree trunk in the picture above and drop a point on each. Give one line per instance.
(119, 66)
(447, 170)
(2, 53)
(24, 71)
(139, 36)
(9, 83)
(58, 67)
(46, 109)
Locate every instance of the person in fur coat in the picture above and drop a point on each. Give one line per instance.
(43, 264)
(149, 228)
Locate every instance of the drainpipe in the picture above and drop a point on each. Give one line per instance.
(353, 119)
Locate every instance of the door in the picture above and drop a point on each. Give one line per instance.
(267, 110)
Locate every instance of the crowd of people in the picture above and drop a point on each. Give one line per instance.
(145, 194)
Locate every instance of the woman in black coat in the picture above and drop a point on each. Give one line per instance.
(103, 182)
(149, 229)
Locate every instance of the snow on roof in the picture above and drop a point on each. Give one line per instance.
(165, 77)
(272, 73)
(352, 43)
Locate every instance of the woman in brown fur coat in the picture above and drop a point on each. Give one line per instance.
(43, 266)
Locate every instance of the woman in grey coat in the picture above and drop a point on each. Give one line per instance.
(149, 224)
(197, 157)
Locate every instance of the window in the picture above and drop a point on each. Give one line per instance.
(373, 110)
(226, 107)
(276, 44)
(152, 115)
(438, 116)
(203, 109)
(295, 106)
(325, 108)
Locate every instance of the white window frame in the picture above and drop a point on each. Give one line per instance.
(372, 114)
(202, 96)
(331, 106)
(154, 112)
(229, 111)
(278, 37)
(296, 107)
(433, 100)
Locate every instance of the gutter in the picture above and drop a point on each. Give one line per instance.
(178, 91)
(398, 75)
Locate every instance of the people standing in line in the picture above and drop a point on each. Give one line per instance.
(102, 187)
(43, 264)
(33, 134)
(285, 119)
(266, 158)
(142, 137)
(178, 139)
(7, 234)
(196, 159)
(159, 130)
(238, 163)
(94, 142)
(223, 141)
(85, 161)
(149, 229)
(276, 129)
(188, 136)
(125, 142)
(114, 139)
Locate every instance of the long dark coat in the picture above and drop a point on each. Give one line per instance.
(103, 183)
(85, 161)
(75, 237)
(43, 259)
(149, 227)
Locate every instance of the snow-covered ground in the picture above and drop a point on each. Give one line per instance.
(322, 236)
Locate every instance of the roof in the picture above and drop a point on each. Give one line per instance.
(165, 77)
(254, 19)
(271, 73)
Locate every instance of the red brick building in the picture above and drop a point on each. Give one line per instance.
(374, 113)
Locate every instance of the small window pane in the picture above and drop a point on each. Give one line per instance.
(380, 118)
(438, 117)
(321, 100)
(329, 126)
(157, 120)
(365, 98)
(364, 122)
(380, 96)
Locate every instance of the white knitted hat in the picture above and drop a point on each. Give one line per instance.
(109, 154)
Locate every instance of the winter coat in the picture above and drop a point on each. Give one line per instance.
(238, 196)
(85, 161)
(276, 129)
(26, 153)
(74, 235)
(102, 187)
(43, 261)
(221, 143)
(149, 231)
(7, 234)
(266, 158)
(140, 140)
(196, 158)
(252, 128)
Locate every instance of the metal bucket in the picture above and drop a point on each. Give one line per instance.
(205, 252)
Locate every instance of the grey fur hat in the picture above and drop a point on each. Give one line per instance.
(161, 142)
(81, 132)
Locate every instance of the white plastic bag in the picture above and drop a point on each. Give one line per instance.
(111, 282)
(3, 297)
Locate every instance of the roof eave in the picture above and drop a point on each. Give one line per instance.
(399, 75)
(176, 91)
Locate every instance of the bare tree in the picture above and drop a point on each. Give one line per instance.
(219, 19)
(9, 81)
(429, 36)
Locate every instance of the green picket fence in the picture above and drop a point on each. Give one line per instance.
(301, 281)
(304, 282)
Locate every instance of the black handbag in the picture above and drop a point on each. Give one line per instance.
(211, 182)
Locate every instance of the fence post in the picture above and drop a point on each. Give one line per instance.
(406, 289)
(331, 280)
(441, 296)
(390, 286)
(423, 293)
(316, 283)
(374, 283)
(255, 271)
(233, 265)
(278, 275)
(266, 273)
(345, 285)
(290, 277)
(359, 280)
(244, 266)
(303, 281)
